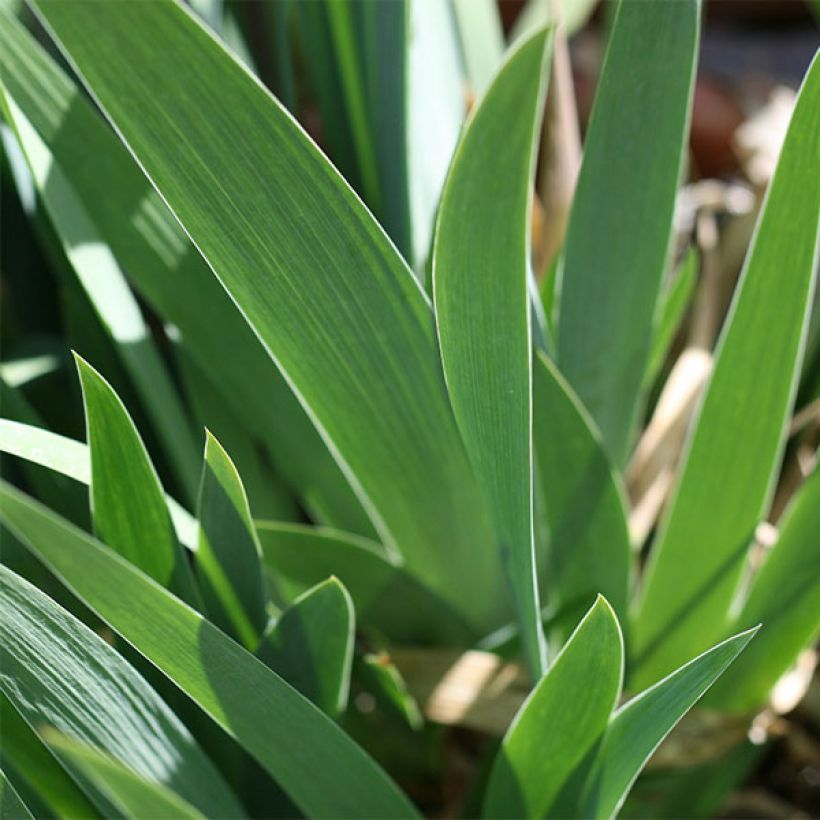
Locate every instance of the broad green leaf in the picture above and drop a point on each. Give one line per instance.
(171, 275)
(480, 269)
(588, 549)
(104, 283)
(785, 599)
(560, 721)
(617, 243)
(57, 672)
(482, 40)
(272, 721)
(11, 806)
(388, 598)
(135, 795)
(638, 728)
(24, 751)
(674, 301)
(362, 349)
(71, 458)
(730, 462)
(228, 558)
(127, 503)
(311, 645)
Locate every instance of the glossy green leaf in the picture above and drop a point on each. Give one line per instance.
(127, 502)
(264, 714)
(168, 271)
(104, 283)
(311, 645)
(560, 721)
(584, 501)
(673, 303)
(387, 597)
(480, 269)
(58, 673)
(638, 728)
(730, 462)
(40, 770)
(134, 795)
(361, 350)
(11, 806)
(71, 458)
(229, 560)
(618, 237)
(785, 599)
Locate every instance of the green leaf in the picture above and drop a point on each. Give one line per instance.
(638, 728)
(480, 268)
(127, 502)
(11, 806)
(229, 559)
(674, 301)
(24, 752)
(584, 502)
(104, 283)
(388, 598)
(311, 645)
(730, 462)
(172, 276)
(560, 721)
(361, 350)
(274, 723)
(135, 795)
(617, 244)
(72, 459)
(785, 599)
(57, 672)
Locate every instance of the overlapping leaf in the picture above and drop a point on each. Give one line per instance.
(731, 459)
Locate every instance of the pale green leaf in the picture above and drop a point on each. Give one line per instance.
(388, 598)
(71, 458)
(127, 502)
(480, 269)
(785, 599)
(272, 721)
(172, 276)
(311, 645)
(588, 549)
(58, 673)
(228, 558)
(638, 728)
(730, 463)
(24, 752)
(275, 221)
(618, 238)
(136, 796)
(482, 40)
(560, 721)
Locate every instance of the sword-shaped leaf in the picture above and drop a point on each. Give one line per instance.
(480, 269)
(272, 721)
(730, 463)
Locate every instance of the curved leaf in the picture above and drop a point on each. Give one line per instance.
(311, 645)
(618, 238)
(57, 672)
(480, 269)
(730, 462)
(309, 268)
(560, 721)
(272, 721)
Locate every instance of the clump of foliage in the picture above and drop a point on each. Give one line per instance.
(407, 446)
